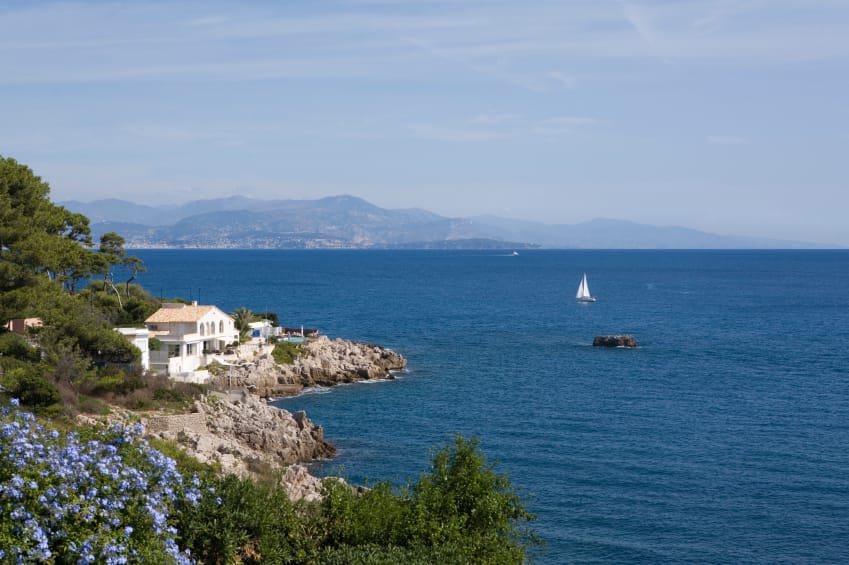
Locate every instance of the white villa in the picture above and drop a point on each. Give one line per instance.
(188, 333)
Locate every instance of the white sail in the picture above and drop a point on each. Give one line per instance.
(584, 291)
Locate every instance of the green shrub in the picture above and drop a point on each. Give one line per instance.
(285, 352)
(161, 394)
(241, 521)
(375, 553)
(463, 511)
(14, 345)
(33, 389)
(464, 503)
(116, 381)
(168, 395)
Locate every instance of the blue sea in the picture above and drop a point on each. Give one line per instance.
(723, 438)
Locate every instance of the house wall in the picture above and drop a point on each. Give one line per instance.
(197, 377)
(20, 325)
(191, 331)
(162, 362)
(221, 325)
(140, 338)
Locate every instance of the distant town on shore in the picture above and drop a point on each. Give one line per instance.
(348, 222)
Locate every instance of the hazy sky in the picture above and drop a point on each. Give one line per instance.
(728, 116)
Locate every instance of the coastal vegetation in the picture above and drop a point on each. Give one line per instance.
(46, 255)
(52, 271)
(105, 495)
(284, 352)
(74, 493)
(242, 317)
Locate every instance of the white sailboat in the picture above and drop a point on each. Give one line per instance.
(583, 294)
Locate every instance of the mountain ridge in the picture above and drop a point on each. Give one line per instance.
(350, 222)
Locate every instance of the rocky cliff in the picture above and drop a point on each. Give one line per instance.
(240, 433)
(318, 362)
(243, 434)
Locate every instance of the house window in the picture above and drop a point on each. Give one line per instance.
(173, 350)
(221, 327)
(190, 349)
(202, 329)
(211, 328)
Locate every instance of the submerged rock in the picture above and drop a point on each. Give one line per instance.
(614, 341)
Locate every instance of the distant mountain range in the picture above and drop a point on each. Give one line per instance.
(348, 222)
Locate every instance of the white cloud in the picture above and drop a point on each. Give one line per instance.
(517, 44)
(641, 21)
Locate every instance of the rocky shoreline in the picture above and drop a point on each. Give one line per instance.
(246, 436)
(319, 362)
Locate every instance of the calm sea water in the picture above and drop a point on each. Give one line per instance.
(723, 438)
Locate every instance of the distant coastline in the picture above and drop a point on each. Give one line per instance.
(347, 222)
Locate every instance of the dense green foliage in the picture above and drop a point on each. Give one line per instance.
(38, 240)
(463, 511)
(242, 317)
(270, 316)
(46, 253)
(284, 352)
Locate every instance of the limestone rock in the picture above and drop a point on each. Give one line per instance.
(300, 485)
(242, 432)
(323, 362)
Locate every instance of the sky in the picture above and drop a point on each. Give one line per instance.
(730, 116)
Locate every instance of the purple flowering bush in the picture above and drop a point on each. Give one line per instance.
(109, 498)
(106, 496)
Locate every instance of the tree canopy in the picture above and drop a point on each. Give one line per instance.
(46, 252)
(38, 239)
